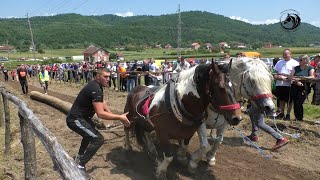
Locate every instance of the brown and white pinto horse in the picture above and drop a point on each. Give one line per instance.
(177, 109)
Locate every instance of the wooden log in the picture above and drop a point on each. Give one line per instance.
(7, 130)
(63, 106)
(65, 164)
(29, 148)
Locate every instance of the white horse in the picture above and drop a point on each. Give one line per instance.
(252, 80)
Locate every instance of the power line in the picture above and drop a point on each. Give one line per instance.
(59, 7)
(79, 5)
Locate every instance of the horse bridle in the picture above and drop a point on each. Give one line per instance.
(255, 97)
(222, 107)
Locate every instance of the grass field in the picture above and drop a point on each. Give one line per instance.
(156, 53)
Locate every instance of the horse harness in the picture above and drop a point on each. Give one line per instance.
(176, 108)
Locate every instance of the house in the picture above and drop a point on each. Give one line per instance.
(7, 48)
(208, 45)
(95, 54)
(158, 46)
(168, 46)
(195, 46)
(267, 45)
(224, 45)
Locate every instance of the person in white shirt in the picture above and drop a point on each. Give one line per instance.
(283, 69)
(183, 65)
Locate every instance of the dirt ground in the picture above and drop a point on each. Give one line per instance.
(300, 159)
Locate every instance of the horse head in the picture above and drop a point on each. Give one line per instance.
(252, 79)
(222, 95)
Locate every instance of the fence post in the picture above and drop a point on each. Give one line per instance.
(29, 148)
(1, 111)
(7, 123)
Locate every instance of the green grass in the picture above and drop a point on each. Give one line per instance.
(157, 53)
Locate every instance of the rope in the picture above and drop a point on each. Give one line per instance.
(295, 135)
(246, 139)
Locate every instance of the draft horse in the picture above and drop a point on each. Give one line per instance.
(176, 110)
(251, 79)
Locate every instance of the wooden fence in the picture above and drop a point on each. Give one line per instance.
(30, 125)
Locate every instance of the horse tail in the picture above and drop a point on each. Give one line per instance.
(140, 129)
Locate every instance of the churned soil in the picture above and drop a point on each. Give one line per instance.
(300, 159)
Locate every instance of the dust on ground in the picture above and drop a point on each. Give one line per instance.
(300, 159)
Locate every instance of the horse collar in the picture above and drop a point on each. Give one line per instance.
(176, 107)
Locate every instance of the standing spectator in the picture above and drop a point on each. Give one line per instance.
(85, 71)
(114, 76)
(183, 65)
(226, 57)
(153, 67)
(44, 79)
(13, 74)
(168, 72)
(5, 73)
(132, 77)
(284, 68)
(145, 70)
(30, 71)
(23, 78)
(90, 101)
(316, 86)
(300, 90)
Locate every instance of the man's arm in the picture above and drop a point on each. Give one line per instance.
(106, 107)
(101, 113)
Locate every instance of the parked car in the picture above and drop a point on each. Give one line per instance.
(268, 61)
(4, 58)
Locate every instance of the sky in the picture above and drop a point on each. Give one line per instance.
(250, 11)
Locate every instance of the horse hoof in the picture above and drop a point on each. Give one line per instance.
(212, 162)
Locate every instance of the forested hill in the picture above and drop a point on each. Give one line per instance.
(73, 30)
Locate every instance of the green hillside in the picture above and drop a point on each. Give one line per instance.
(77, 31)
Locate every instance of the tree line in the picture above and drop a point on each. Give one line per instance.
(110, 31)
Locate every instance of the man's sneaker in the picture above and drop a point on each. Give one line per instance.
(287, 117)
(280, 143)
(253, 138)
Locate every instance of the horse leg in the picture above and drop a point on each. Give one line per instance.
(182, 151)
(202, 151)
(161, 171)
(127, 144)
(211, 155)
(150, 147)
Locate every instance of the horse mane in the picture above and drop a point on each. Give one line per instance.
(255, 69)
(201, 76)
(198, 74)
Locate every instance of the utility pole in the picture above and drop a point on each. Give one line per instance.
(8, 53)
(33, 46)
(179, 32)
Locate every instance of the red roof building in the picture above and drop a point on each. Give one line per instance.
(95, 54)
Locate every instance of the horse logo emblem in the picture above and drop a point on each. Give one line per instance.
(290, 20)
